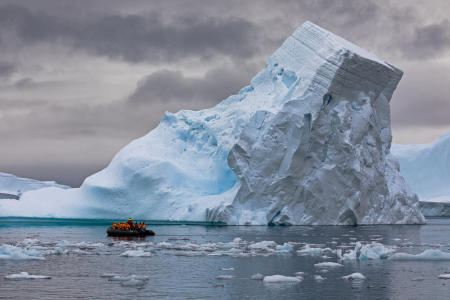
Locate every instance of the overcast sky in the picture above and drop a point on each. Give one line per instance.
(81, 79)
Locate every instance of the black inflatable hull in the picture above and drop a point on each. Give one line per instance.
(112, 232)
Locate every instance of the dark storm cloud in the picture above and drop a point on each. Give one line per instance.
(428, 41)
(6, 69)
(134, 38)
(165, 85)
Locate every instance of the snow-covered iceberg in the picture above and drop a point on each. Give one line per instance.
(426, 168)
(12, 187)
(307, 142)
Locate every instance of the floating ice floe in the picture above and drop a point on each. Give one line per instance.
(429, 254)
(109, 275)
(444, 276)
(25, 275)
(135, 253)
(368, 252)
(354, 276)
(328, 264)
(281, 278)
(227, 269)
(313, 251)
(16, 253)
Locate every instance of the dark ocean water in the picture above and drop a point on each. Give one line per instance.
(184, 261)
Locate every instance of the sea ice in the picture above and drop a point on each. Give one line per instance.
(257, 276)
(25, 275)
(16, 253)
(368, 252)
(224, 277)
(328, 264)
(444, 276)
(281, 278)
(428, 254)
(319, 278)
(135, 253)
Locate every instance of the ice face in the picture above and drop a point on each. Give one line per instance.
(307, 142)
(426, 169)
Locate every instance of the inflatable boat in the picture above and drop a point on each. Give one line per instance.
(116, 232)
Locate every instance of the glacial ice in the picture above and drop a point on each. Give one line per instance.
(17, 253)
(368, 252)
(135, 253)
(444, 276)
(12, 187)
(428, 254)
(307, 142)
(426, 169)
(328, 264)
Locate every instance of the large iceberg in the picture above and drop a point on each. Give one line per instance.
(426, 168)
(12, 187)
(307, 142)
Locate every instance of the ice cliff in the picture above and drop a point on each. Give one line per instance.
(307, 142)
(426, 168)
(12, 187)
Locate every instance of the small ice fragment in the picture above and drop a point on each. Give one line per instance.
(130, 277)
(134, 282)
(224, 277)
(227, 269)
(444, 276)
(429, 254)
(354, 276)
(319, 278)
(135, 253)
(286, 247)
(25, 275)
(281, 278)
(328, 264)
(300, 274)
(257, 276)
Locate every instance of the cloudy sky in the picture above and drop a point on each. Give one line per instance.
(80, 79)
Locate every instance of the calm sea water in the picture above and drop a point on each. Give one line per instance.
(185, 262)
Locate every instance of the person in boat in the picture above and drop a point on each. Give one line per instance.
(114, 226)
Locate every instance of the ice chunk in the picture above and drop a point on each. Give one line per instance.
(368, 252)
(257, 276)
(354, 276)
(313, 251)
(109, 275)
(25, 275)
(227, 269)
(285, 248)
(134, 282)
(428, 254)
(135, 253)
(444, 276)
(129, 277)
(16, 253)
(328, 264)
(281, 278)
(264, 245)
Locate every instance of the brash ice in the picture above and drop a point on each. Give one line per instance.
(307, 142)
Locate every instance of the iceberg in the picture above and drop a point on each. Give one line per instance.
(306, 142)
(12, 187)
(426, 169)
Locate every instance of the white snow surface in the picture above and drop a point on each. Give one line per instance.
(426, 168)
(306, 142)
(12, 187)
(25, 275)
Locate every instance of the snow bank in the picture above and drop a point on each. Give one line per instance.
(354, 276)
(281, 278)
(306, 142)
(25, 275)
(428, 254)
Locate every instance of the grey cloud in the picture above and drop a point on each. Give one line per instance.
(6, 69)
(165, 85)
(135, 38)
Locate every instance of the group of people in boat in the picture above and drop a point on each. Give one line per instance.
(129, 225)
